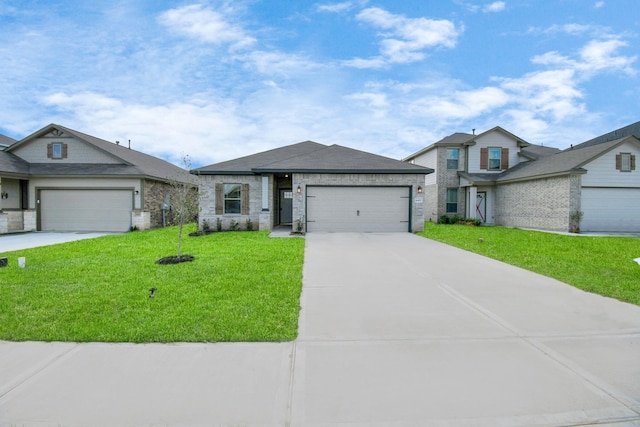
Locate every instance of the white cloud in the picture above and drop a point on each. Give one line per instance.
(405, 39)
(205, 24)
(336, 7)
(598, 4)
(496, 6)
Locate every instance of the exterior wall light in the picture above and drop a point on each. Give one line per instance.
(299, 190)
(419, 189)
(4, 195)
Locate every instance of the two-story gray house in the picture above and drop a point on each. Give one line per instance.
(502, 179)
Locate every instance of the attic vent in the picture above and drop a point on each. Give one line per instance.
(117, 142)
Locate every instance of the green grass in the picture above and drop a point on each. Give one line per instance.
(602, 265)
(242, 286)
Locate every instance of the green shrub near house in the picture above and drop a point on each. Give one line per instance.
(602, 265)
(242, 286)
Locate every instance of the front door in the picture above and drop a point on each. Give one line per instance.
(286, 207)
(481, 206)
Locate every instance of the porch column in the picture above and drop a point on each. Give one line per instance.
(265, 222)
(0, 193)
(265, 193)
(471, 204)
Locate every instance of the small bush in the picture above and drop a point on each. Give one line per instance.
(249, 225)
(218, 224)
(445, 219)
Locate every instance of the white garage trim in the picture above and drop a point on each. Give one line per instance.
(358, 208)
(93, 209)
(610, 209)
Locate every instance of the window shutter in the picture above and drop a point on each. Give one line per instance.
(219, 199)
(64, 151)
(504, 159)
(484, 158)
(244, 206)
(618, 161)
(633, 162)
(49, 151)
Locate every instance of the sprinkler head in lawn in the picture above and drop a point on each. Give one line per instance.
(152, 292)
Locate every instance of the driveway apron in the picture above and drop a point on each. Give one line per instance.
(394, 330)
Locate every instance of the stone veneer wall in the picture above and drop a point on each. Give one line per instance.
(543, 204)
(154, 192)
(208, 201)
(413, 180)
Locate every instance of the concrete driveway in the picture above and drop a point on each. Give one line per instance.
(394, 330)
(20, 241)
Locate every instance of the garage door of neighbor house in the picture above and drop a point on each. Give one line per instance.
(85, 210)
(611, 209)
(360, 209)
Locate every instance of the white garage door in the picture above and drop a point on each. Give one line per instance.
(85, 210)
(611, 209)
(360, 209)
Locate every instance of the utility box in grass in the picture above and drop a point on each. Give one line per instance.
(4, 262)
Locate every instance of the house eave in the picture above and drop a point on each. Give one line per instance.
(421, 171)
(578, 171)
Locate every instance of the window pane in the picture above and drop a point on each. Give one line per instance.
(626, 162)
(495, 155)
(452, 207)
(452, 158)
(232, 206)
(452, 195)
(232, 191)
(57, 151)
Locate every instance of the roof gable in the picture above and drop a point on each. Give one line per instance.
(126, 161)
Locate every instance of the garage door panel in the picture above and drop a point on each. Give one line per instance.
(611, 209)
(359, 209)
(85, 210)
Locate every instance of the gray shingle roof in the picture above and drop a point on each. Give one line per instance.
(567, 161)
(10, 164)
(134, 163)
(311, 157)
(246, 164)
(5, 141)
(537, 151)
(632, 129)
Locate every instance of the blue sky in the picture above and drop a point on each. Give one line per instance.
(217, 80)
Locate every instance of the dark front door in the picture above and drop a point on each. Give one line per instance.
(286, 206)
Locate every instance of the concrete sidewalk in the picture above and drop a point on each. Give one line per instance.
(394, 330)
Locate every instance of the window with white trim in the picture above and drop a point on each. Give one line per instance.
(452, 200)
(625, 162)
(453, 155)
(495, 159)
(232, 198)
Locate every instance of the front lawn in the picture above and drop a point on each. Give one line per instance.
(242, 286)
(602, 265)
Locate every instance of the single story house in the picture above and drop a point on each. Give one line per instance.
(501, 179)
(313, 187)
(59, 179)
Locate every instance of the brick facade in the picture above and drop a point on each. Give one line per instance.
(208, 202)
(540, 204)
(448, 178)
(266, 219)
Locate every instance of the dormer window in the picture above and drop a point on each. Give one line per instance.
(57, 150)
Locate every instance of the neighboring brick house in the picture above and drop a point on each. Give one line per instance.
(313, 187)
(64, 180)
(503, 180)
